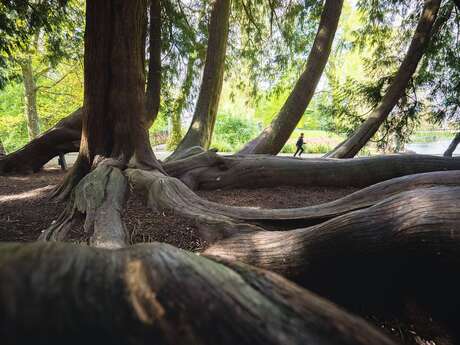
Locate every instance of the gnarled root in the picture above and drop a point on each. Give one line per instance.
(218, 221)
(405, 247)
(57, 293)
(100, 196)
(426, 216)
(168, 193)
(254, 171)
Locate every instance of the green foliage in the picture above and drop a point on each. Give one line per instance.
(268, 45)
(232, 132)
(54, 102)
(55, 28)
(13, 128)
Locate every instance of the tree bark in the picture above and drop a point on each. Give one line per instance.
(158, 294)
(166, 193)
(392, 220)
(100, 196)
(273, 138)
(30, 98)
(113, 132)
(114, 99)
(202, 126)
(62, 138)
(453, 145)
(371, 260)
(152, 93)
(211, 171)
(351, 146)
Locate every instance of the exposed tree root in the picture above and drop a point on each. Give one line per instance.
(253, 171)
(168, 193)
(405, 247)
(99, 196)
(145, 294)
(62, 138)
(396, 222)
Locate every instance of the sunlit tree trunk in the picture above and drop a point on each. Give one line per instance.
(30, 98)
(273, 138)
(152, 93)
(350, 147)
(453, 145)
(201, 128)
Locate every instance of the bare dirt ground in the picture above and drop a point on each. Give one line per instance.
(25, 209)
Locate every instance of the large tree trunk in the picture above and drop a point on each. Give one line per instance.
(202, 126)
(453, 145)
(62, 138)
(152, 93)
(113, 133)
(65, 135)
(273, 138)
(351, 146)
(30, 98)
(211, 171)
(114, 102)
(157, 294)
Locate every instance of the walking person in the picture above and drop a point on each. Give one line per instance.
(299, 145)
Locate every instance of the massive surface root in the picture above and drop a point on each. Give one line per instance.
(168, 193)
(99, 197)
(405, 248)
(63, 293)
(218, 221)
(62, 138)
(405, 219)
(210, 171)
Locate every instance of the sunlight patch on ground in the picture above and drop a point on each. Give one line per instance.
(34, 193)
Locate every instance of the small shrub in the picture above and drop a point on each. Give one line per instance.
(232, 132)
(223, 146)
(288, 148)
(317, 148)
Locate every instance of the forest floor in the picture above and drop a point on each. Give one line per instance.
(25, 209)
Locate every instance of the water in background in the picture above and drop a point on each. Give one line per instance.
(436, 147)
